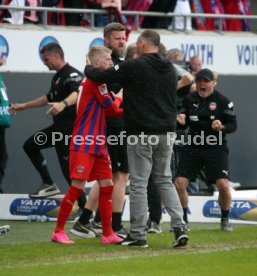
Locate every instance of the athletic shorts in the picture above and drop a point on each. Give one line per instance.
(89, 167)
(118, 153)
(214, 161)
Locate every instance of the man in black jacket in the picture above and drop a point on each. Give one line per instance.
(209, 116)
(149, 84)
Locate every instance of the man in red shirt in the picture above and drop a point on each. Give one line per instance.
(89, 158)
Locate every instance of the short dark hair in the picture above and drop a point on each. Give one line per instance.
(53, 48)
(114, 26)
(151, 37)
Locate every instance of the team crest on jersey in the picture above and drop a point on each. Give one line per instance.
(212, 106)
(80, 169)
(103, 89)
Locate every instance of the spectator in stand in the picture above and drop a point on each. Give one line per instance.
(182, 7)
(196, 63)
(135, 5)
(198, 23)
(14, 16)
(32, 16)
(73, 19)
(54, 18)
(215, 7)
(237, 7)
(102, 20)
(159, 22)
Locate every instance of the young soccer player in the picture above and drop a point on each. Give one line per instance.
(89, 158)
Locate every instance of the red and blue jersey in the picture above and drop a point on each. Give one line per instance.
(93, 104)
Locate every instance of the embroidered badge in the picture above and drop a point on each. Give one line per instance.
(212, 106)
(103, 89)
(80, 169)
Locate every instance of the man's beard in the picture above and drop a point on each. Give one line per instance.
(120, 52)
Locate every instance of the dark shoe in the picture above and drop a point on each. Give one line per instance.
(84, 231)
(4, 229)
(122, 233)
(131, 242)
(181, 237)
(187, 228)
(45, 190)
(226, 226)
(97, 226)
(154, 228)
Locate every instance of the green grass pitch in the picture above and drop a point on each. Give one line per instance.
(27, 250)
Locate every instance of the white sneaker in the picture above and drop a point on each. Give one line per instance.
(4, 229)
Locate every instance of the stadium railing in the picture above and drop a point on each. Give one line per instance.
(137, 14)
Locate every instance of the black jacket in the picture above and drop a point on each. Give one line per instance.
(200, 112)
(114, 123)
(149, 85)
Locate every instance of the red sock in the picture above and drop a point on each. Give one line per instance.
(105, 209)
(66, 207)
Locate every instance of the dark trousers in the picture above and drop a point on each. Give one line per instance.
(154, 202)
(73, 19)
(33, 150)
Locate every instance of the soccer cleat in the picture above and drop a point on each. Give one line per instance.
(122, 233)
(45, 190)
(226, 226)
(112, 239)
(84, 231)
(181, 237)
(4, 229)
(154, 228)
(128, 241)
(61, 237)
(97, 227)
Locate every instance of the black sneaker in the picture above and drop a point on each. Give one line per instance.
(45, 190)
(4, 229)
(131, 242)
(187, 228)
(84, 231)
(97, 226)
(226, 226)
(181, 237)
(122, 233)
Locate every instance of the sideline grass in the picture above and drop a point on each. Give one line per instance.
(27, 250)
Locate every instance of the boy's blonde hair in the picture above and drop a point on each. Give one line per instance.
(97, 51)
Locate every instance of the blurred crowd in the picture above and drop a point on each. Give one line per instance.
(114, 8)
